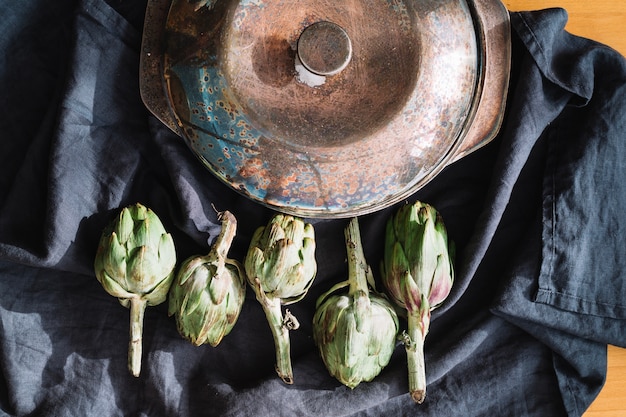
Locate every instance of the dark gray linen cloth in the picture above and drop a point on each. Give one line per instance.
(538, 217)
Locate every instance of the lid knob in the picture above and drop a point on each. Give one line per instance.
(324, 48)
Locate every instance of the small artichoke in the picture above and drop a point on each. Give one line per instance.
(418, 273)
(280, 267)
(208, 292)
(355, 332)
(135, 262)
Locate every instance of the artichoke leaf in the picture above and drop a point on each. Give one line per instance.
(141, 270)
(114, 257)
(112, 287)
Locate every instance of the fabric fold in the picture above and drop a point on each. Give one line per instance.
(537, 218)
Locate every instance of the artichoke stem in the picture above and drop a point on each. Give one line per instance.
(137, 308)
(280, 332)
(224, 240)
(357, 265)
(415, 357)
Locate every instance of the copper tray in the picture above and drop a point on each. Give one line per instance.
(327, 109)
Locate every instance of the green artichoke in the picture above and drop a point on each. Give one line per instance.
(280, 267)
(355, 332)
(208, 292)
(418, 273)
(135, 262)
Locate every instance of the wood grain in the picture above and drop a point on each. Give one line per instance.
(605, 22)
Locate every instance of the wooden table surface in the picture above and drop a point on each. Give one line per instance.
(603, 21)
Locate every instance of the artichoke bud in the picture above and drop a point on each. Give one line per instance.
(418, 273)
(135, 262)
(208, 292)
(280, 267)
(282, 257)
(356, 331)
(417, 263)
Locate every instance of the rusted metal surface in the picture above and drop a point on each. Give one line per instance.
(377, 115)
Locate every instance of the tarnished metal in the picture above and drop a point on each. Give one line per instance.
(383, 97)
(324, 48)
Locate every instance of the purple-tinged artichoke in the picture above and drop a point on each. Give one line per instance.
(355, 332)
(135, 262)
(280, 267)
(208, 292)
(418, 274)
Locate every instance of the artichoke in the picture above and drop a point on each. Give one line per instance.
(355, 332)
(208, 292)
(418, 274)
(280, 267)
(135, 262)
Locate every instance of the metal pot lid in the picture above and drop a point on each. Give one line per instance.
(327, 109)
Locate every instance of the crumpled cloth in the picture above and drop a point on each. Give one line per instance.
(537, 216)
